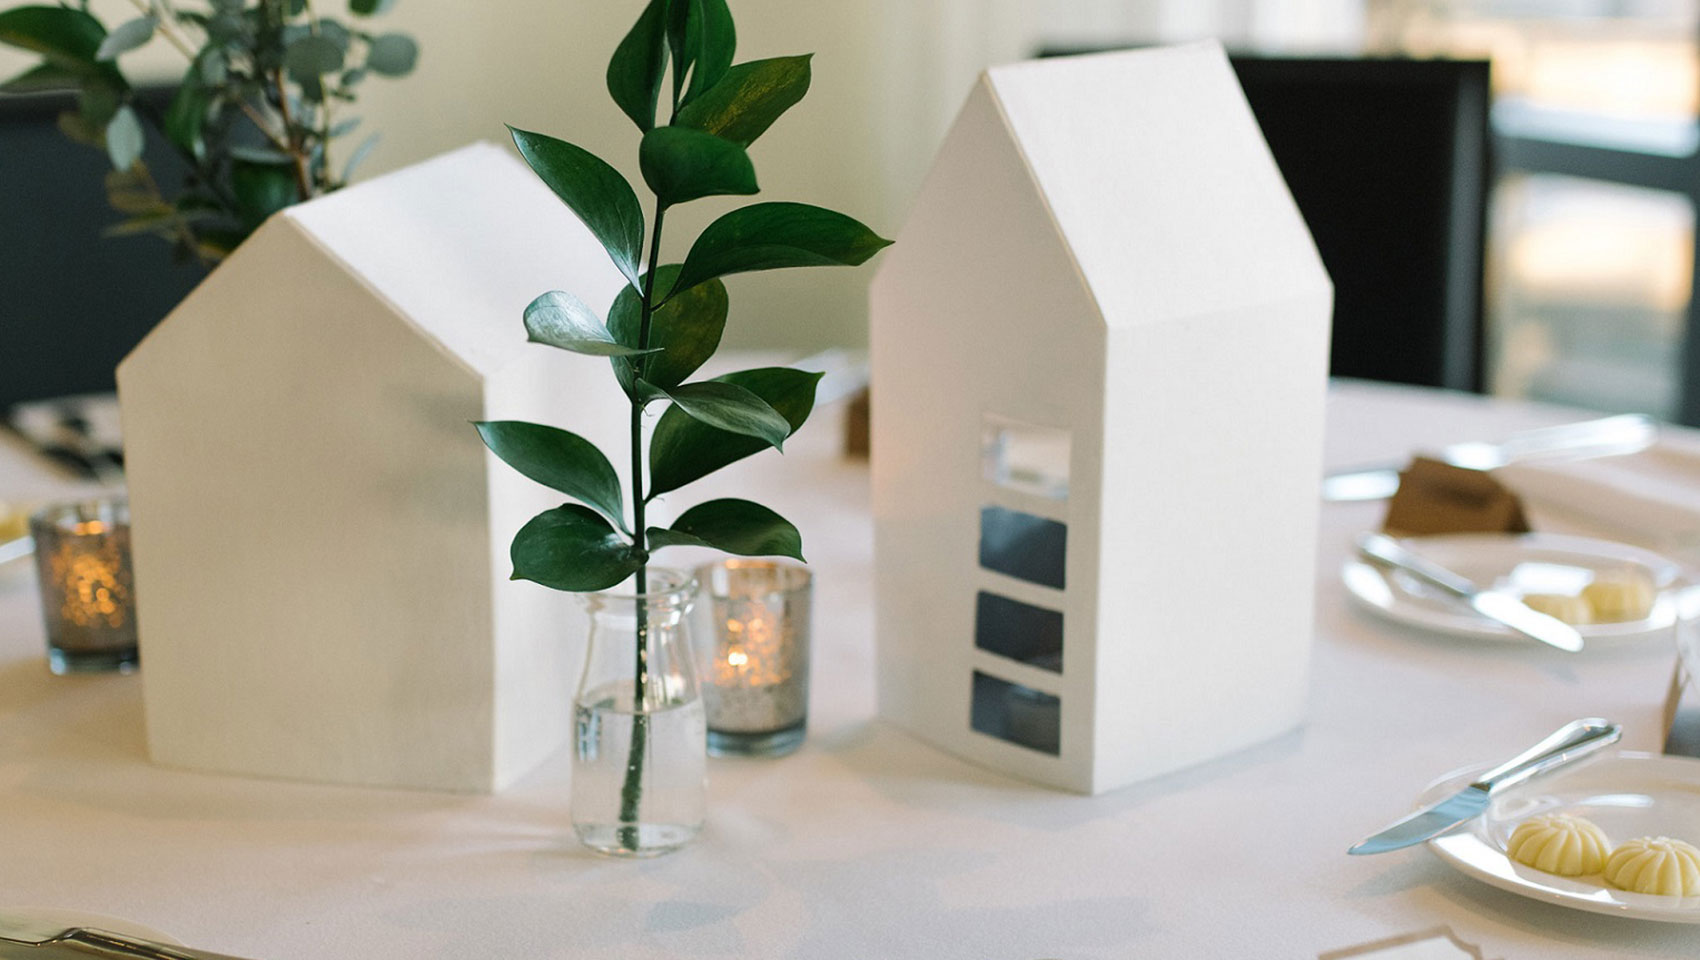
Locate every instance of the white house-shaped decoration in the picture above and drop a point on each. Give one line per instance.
(320, 537)
(1100, 355)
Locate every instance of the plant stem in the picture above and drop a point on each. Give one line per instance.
(631, 791)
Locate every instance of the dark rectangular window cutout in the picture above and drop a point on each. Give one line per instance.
(1021, 715)
(1023, 546)
(1019, 631)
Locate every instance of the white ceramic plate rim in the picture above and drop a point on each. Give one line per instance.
(1394, 606)
(1470, 851)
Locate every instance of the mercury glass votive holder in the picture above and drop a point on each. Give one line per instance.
(753, 630)
(82, 557)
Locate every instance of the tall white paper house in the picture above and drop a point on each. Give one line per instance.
(320, 537)
(1100, 355)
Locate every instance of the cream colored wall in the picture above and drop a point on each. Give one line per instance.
(889, 76)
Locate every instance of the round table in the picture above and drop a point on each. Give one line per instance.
(865, 844)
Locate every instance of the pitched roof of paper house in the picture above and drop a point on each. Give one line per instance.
(411, 238)
(1185, 252)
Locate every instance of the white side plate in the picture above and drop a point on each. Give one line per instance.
(1627, 794)
(1520, 564)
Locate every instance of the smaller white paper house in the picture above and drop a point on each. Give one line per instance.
(320, 537)
(1099, 363)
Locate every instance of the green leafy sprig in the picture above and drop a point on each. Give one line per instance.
(254, 117)
(669, 319)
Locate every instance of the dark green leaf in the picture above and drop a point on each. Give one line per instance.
(370, 8)
(187, 115)
(98, 104)
(559, 460)
(129, 35)
(124, 140)
(42, 78)
(715, 41)
(66, 37)
(734, 526)
(634, 74)
(311, 57)
(262, 189)
(559, 319)
(726, 406)
(683, 39)
(573, 548)
(594, 190)
(749, 98)
(687, 328)
(684, 449)
(393, 55)
(681, 164)
(768, 236)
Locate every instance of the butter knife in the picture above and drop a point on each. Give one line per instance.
(22, 940)
(1610, 436)
(1496, 605)
(1566, 745)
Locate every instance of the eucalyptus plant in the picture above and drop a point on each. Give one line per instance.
(668, 319)
(255, 116)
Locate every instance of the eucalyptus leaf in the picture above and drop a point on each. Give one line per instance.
(737, 527)
(680, 164)
(687, 328)
(42, 78)
(370, 8)
(749, 98)
(769, 236)
(311, 57)
(573, 548)
(64, 36)
(124, 138)
(727, 406)
(392, 55)
(593, 190)
(559, 460)
(634, 73)
(128, 36)
(559, 319)
(683, 449)
(358, 157)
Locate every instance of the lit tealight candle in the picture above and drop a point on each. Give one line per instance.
(83, 561)
(755, 618)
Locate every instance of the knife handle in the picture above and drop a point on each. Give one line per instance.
(1573, 741)
(103, 943)
(1385, 549)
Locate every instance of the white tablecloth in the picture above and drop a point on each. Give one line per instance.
(866, 844)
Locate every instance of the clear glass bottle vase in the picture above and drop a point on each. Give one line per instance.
(642, 741)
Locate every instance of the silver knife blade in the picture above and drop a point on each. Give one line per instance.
(29, 941)
(1502, 608)
(1426, 824)
(1514, 613)
(1568, 744)
(1611, 436)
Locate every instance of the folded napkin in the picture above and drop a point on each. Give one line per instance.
(1651, 498)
